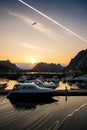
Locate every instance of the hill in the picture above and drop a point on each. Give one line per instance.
(25, 66)
(44, 67)
(6, 66)
(79, 62)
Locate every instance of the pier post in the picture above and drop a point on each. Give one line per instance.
(66, 88)
(66, 93)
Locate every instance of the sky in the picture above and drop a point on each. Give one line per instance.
(59, 32)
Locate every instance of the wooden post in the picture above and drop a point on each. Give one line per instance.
(66, 88)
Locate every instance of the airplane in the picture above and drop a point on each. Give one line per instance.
(34, 23)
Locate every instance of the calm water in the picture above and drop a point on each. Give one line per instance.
(64, 113)
(60, 85)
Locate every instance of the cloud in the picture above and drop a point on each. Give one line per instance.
(46, 31)
(68, 33)
(39, 26)
(22, 17)
(53, 21)
(34, 47)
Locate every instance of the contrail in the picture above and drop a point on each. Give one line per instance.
(52, 20)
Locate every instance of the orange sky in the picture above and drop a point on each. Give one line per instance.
(45, 41)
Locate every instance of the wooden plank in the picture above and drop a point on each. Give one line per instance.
(58, 92)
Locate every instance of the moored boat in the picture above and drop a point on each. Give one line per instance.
(30, 91)
(81, 78)
(3, 86)
(41, 84)
(81, 81)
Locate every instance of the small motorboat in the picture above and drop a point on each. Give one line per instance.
(81, 81)
(55, 80)
(3, 86)
(81, 78)
(40, 83)
(69, 78)
(23, 78)
(31, 92)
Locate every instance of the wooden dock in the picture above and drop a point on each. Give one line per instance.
(76, 92)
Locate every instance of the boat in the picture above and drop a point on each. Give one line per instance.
(49, 85)
(55, 79)
(3, 86)
(69, 78)
(41, 78)
(43, 84)
(40, 83)
(81, 81)
(23, 78)
(31, 92)
(81, 78)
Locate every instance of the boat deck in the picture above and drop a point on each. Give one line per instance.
(76, 92)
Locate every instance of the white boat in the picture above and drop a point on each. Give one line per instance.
(81, 78)
(40, 83)
(63, 79)
(82, 84)
(41, 78)
(69, 78)
(31, 92)
(43, 84)
(55, 79)
(23, 78)
(3, 86)
(81, 81)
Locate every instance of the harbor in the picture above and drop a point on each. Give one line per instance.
(68, 101)
(43, 65)
(52, 115)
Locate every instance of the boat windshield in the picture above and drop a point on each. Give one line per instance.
(24, 86)
(16, 87)
(28, 87)
(38, 83)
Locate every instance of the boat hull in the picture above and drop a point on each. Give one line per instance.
(3, 86)
(31, 96)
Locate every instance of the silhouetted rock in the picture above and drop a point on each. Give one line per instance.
(6, 66)
(79, 62)
(44, 67)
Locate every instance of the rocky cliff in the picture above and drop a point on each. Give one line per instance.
(6, 66)
(79, 62)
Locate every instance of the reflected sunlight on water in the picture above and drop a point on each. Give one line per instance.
(41, 116)
(61, 85)
(69, 86)
(10, 83)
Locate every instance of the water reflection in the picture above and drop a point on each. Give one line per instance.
(61, 85)
(25, 115)
(10, 83)
(69, 86)
(27, 105)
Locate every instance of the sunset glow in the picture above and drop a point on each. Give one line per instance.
(32, 60)
(59, 34)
